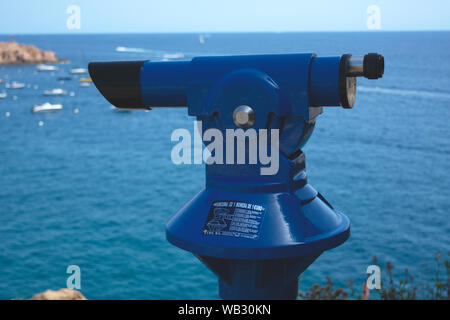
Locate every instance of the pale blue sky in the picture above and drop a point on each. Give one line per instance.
(112, 16)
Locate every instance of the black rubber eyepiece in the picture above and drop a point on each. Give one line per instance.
(373, 66)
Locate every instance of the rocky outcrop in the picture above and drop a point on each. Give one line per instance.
(13, 53)
(62, 294)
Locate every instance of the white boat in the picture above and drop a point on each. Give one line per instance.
(47, 107)
(78, 71)
(3, 95)
(85, 84)
(46, 67)
(125, 49)
(114, 109)
(15, 85)
(173, 56)
(55, 92)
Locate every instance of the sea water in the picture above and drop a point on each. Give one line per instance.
(94, 188)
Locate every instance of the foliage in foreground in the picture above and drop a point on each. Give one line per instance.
(391, 289)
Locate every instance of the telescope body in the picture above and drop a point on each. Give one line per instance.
(257, 232)
(146, 84)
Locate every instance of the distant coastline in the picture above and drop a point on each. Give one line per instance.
(13, 53)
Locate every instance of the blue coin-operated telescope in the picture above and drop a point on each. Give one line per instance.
(256, 227)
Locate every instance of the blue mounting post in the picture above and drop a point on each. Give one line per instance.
(257, 232)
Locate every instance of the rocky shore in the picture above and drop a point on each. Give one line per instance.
(13, 53)
(62, 294)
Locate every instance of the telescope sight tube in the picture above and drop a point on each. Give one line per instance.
(146, 85)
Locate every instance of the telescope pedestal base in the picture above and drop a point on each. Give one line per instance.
(271, 279)
(244, 291)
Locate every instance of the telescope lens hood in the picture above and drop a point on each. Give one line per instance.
(119, 82)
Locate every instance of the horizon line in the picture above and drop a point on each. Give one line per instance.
(221, 32)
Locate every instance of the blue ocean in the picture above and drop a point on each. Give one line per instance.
(95, 187)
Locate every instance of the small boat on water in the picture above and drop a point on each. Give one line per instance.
(46, 67)
(64, 78)
(3, 95)
(126, 49)
(54, 92)
(85, 84)
(85, 80)
(14, 85)
(173, 56)
(78, 71)
(46, 107)
(114, 109)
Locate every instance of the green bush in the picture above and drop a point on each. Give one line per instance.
(391, 289)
